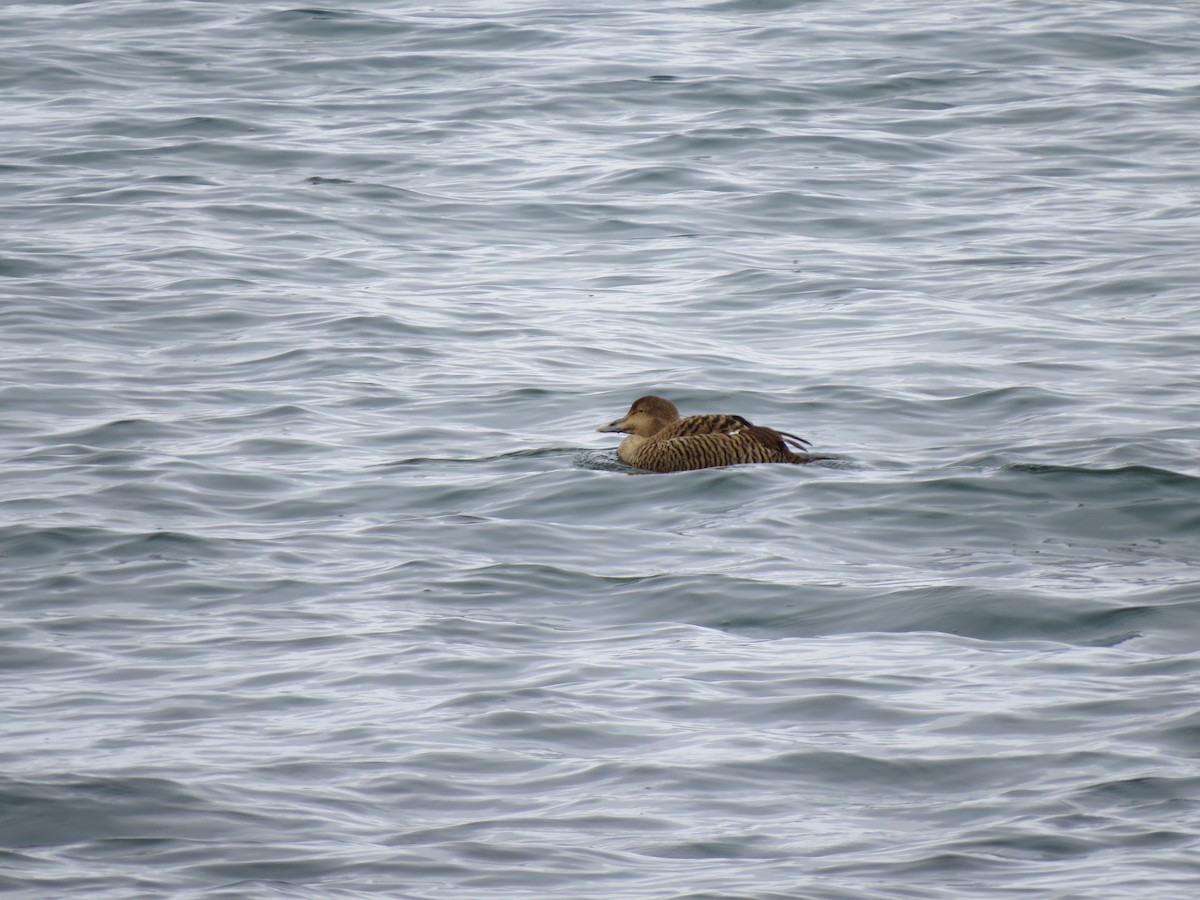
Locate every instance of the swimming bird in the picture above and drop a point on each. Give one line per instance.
(659, 440)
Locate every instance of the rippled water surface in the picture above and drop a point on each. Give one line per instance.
(317, 581)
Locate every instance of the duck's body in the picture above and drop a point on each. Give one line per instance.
(659, 440)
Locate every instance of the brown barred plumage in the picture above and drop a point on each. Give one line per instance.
(659, 440)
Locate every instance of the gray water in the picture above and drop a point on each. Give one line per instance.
(318, 583)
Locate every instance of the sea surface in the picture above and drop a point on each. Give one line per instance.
(316, 580)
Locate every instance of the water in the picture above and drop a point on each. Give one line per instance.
(318, 583)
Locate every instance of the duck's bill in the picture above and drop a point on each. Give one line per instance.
(612, 426)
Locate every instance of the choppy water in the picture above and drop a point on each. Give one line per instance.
(317, 583)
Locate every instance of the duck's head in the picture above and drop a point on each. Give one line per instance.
(646, 417)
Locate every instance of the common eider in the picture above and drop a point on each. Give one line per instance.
(659, 440)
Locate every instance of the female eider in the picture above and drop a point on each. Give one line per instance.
(659, 440)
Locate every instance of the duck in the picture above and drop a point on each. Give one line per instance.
(660, 440)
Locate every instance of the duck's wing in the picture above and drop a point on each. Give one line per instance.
(720, 423)
(701, 442)
(713, 423)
